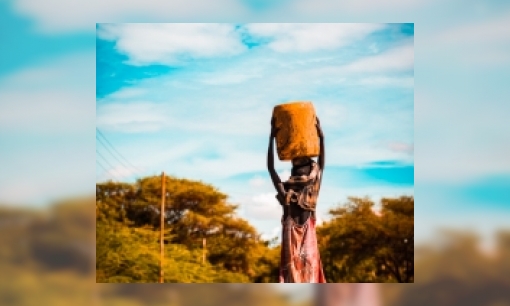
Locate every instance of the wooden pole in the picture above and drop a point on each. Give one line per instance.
(161, 236)
(203, 251)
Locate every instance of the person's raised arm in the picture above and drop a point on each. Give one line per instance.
(270, 162)
(322, 154)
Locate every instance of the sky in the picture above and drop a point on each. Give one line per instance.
(461, 64)
(195, 101)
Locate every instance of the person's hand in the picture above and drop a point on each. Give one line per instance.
(319, 129)
(274, 129)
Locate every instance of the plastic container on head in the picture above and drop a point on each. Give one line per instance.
(297, 135)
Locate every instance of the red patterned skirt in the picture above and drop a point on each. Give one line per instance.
(300, 258)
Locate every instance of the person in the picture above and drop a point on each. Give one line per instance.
(300, 259)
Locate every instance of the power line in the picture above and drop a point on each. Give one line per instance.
(104, 146)
(101, 165)
(121, 163)
(112, 174)
(106, 172)
(118, 153)
(105, 160)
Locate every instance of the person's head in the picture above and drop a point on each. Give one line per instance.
(301, 166)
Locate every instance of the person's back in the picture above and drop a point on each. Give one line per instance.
(305, 177)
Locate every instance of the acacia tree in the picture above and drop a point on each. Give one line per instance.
(362, 245)
(193, 211)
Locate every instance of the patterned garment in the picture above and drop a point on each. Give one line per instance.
(300, 259)
(303, 190)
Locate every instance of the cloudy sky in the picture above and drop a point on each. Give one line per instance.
(195, 100)
(461, 70)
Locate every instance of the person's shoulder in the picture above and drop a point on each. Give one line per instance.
(316, 165)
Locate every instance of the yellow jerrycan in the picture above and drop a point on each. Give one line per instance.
(297, 135)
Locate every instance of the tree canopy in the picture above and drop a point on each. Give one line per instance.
(362, 244)
(358, 244)
(128, 219)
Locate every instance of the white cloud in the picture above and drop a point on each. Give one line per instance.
(116, 173)
(375, 70)
(232, 122)
(366, 6)
(222, 114)
(257, 181)
(226, 124)
(292, 37)
(377, 210)
(127, 93)
(346, 154)
(494, 30)
(46, 114)
(47, 97)
(461, 161)
(137, 117)
(275, 232)
(453, 147)
(43, 111)
(396, 59)
(405, 82)
(333, 116)
(460, 115)
(39, 168)
(170, 43)
(132, 117)
(350, 10)
(483, 43)
(152, 162)
(187, 156)
(228, 79)
(83, 15)
(284, 175)
(263, 206)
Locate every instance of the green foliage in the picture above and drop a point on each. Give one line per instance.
(128, 222)
(362, 245)
(357, 245)
(41, 265)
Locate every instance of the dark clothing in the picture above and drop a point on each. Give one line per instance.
(302, 190)
(298, 214)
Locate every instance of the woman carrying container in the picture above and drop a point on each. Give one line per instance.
(299, 136)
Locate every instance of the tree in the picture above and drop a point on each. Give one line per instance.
(193, 211)
(362, 245)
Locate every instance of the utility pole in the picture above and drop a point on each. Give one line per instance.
(203, 250)
(162, 213)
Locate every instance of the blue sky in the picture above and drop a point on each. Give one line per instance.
(48, 101)
(195, 101)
